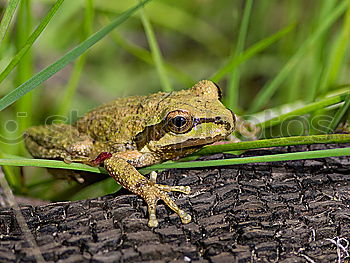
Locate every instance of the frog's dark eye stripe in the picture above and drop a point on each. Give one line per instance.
(179, 121)
(217, 120)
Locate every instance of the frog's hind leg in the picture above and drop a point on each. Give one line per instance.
(126, 175)
(59, 141)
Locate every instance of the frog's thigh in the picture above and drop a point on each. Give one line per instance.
(38, 151)
(126, 175)
(59, 141)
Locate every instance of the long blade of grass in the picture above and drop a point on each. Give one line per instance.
(339, 115)
(176, 18)
(156, 53)
(66, 102)
(297, 140)
(303, 110)
(233, 90)
(288, 107)
(316, 55)
(30, 41)
(10, 175)
(250, 52)
(146, 56)
(104, 187)
(270, 88)
(242, 160)
(275, 142)
(255, 159)
(45, 163)
(291, 91)
(24, 70)
(6, 19)
(66, 59)
(337, 55)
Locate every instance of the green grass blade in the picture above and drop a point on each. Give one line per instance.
(317, 64)
(177, 18)
(270, 88)
(233, 90)
(255, 159)
(66, 59)
(45, 163)
(30, 41)
(156, 53)
(286, 108)
(337, 55)
(66, 102)
(284, 141)
(24, 70)
(303, 110)
(11, 177)
(6, 19)
(144, 55)
(199, 164)
(250, 52)
(339, 115)
(104, 187)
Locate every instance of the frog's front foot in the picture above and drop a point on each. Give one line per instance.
(153, 192)
(126, 175)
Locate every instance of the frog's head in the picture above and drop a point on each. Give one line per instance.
(189, 119)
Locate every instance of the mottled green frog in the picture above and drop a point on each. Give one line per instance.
(139, 131)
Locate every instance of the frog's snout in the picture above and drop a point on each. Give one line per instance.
(228, 120)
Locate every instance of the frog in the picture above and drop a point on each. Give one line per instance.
(138, 131)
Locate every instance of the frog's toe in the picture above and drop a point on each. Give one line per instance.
(167, 188)
(152, 193)
(152, 221)
(153, 177)
(185, 218)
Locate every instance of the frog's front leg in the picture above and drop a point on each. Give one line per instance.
(127, 176)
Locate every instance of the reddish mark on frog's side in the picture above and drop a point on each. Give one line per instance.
(101, 158)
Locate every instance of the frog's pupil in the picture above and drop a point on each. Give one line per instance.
(179, 121)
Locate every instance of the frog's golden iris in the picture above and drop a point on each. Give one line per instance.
(179, 121)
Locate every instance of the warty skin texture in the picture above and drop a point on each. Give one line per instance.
(139, 131)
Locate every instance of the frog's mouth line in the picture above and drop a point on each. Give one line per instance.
(194, 143)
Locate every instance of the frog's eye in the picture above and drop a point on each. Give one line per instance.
(179, 121)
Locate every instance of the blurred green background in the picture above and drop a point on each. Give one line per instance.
(266, 55)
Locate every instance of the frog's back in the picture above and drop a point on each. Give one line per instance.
(119, 121)
(123, 122)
